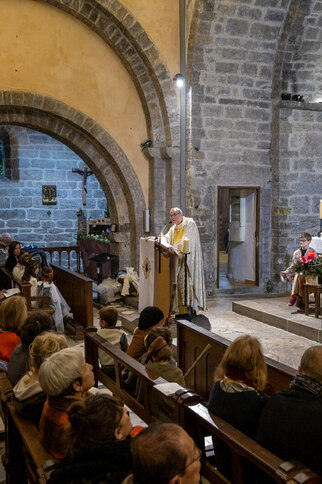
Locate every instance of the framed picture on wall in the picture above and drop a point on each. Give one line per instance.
(49, 195)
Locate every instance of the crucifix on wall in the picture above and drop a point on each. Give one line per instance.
(85, 172)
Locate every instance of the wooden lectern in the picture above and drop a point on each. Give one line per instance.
(164, 276)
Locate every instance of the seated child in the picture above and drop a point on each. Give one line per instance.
(112, 334)
(57, 301)
(35, 324)
(31, 276)
(296, 278)
(19, 269)
(158, 364)
(29, 397)
(150, 317)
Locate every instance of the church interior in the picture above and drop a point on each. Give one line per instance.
(96, 129)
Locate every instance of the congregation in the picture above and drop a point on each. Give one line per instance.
(89, 433)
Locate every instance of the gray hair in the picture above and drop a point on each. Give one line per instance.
(177, 210)
(6, 238)
(58, 372)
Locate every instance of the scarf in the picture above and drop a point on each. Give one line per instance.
(304, 382)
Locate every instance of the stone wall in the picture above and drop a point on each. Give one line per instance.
(42, 160)
(231, 83)
(300, 174)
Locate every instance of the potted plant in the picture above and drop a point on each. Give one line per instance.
(309, 267)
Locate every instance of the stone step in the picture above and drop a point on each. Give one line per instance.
(132, 301)
(275, 312)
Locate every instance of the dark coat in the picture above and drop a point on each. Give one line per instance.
(241, 410)
(291, 427)
(110, 464)
(11, 262)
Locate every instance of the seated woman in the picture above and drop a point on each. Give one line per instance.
(13, 255)
(65, 377)
(35, 324)
(13, 312)
(57, 302)
(29, 397)
(237, 394)
(100, 449)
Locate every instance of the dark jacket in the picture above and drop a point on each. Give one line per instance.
(11, 262)
(291, 427)
(241, 410)
(110, 464)
(18, 364)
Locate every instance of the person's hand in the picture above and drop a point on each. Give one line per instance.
(2, 293)
(171, 250)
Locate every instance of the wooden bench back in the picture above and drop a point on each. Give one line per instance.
(191, 341)
(78, 293)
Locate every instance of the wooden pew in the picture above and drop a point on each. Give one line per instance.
(121, 360)
(199, 423)
(25, 291)
(196, 420)
(191, 340)
(78, 293)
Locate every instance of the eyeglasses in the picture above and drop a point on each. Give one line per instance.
(304, 240)
(199, 456)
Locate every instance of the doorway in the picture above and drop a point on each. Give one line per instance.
(237, 248)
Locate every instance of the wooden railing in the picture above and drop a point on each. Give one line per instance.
(62, 250)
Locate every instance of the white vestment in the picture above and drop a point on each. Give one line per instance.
(196, 294)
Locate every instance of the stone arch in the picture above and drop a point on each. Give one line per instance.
(120, 30)
(99, 151)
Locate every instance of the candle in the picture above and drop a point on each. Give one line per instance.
(185, 245)
(321, 209)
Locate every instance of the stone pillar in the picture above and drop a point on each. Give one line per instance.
(164, 178)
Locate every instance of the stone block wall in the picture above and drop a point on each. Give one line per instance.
(300, 175)
(231, 115)
(42, 160)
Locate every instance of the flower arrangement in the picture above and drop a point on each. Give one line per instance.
(97, 238)
(308, 265)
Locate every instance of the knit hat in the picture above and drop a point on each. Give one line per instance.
(150, 316)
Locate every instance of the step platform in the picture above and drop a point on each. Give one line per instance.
(275, 312)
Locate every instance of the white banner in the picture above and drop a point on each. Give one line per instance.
(146, 281)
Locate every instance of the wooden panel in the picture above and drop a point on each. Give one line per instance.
(192, 340)
(78, 292)
(162, 281)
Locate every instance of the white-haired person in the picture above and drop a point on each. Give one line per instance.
(65, 377)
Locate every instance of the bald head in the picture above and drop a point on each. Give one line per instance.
(311, 363)
(165, 454)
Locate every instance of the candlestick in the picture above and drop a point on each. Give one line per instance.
(185, 245)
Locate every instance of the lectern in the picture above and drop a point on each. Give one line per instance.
(165, 266)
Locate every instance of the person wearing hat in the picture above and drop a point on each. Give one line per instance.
(150, 317)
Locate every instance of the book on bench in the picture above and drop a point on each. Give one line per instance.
(11, 292)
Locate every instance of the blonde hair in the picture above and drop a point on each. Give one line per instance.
(43, 346)
(244, 354)
(13, 312)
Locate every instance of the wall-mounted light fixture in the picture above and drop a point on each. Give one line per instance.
(179, 80)
(146, 144)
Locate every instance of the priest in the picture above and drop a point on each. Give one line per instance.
(183, 236)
